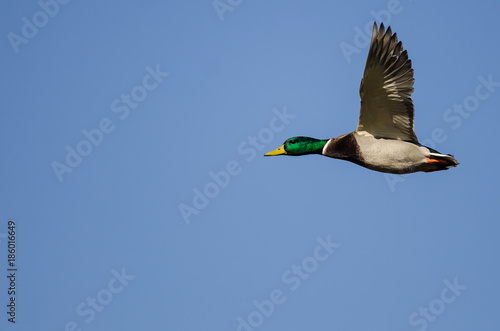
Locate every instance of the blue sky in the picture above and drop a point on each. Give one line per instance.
(132, 138)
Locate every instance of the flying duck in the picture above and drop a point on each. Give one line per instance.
(384, 139)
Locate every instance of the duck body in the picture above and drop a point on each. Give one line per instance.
(386, 155)
(384, 139)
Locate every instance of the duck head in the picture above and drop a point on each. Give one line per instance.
(299, 146)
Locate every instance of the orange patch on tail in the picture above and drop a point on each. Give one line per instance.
(437, 161)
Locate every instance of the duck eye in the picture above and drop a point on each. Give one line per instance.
(292, 142)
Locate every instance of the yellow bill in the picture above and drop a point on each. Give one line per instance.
(278, 151)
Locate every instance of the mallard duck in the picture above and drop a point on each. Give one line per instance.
(384, 139)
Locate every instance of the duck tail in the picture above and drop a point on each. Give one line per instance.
(440, 161)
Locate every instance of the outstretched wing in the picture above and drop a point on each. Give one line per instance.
(386, 88)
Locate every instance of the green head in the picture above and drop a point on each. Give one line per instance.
(299, 146)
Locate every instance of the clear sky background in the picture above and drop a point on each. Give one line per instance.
(132, 136)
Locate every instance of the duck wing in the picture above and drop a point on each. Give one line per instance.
(386, 88)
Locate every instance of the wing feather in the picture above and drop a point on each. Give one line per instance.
(386, 88)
